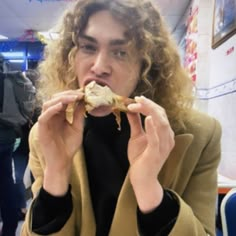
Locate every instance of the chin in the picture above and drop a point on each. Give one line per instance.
(101, 111)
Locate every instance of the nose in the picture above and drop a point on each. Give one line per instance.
(101, 66)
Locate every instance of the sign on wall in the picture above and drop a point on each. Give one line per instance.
(190, 61)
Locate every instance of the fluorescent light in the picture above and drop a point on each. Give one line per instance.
(13, 54)
(2, 37)
(16, 61)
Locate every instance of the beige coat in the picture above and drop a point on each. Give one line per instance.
(190, 172)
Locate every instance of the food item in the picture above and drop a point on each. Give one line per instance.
(96, 95)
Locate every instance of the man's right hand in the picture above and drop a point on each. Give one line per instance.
(59, 139)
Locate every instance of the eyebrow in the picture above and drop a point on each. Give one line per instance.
(113, 42)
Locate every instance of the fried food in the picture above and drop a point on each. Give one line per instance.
(96, 95)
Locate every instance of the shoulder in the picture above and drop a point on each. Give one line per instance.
(34, 146)
(198, 119)
(33, 135)
(33, 138)
(14, 74)
(203, 126)
(18, 77)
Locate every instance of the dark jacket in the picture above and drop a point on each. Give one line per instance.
(7, 133)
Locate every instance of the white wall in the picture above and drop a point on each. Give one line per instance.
(223, 106)
(216, 84)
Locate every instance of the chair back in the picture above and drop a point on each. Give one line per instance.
(228, 213)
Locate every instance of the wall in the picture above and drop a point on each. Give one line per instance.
(216, 85)
(223, 106)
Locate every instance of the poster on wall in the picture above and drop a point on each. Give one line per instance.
(224, 21)
(190, 60)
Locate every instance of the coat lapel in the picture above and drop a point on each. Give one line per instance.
(87, 224)
(175, 159)
(124, 220)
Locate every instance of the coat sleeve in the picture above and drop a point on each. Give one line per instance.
(36, 164)
(198, 202)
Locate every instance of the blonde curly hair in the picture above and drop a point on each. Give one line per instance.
(162, 77)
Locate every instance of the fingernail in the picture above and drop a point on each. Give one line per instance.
(137, 98)
(131, 106)
(140, 98)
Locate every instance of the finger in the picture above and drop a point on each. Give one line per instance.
(50, 112)
(76, 92)
(149, 108)
(64, 99)
(153, 139)
(146, 107)
(142, 105)
(78, 118)
(135, 124)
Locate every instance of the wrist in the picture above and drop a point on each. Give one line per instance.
(56, 182)
(148, 196)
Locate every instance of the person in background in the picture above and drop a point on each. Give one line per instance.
(34, 76)
(20, 155)
(8, 136)
(158, 175)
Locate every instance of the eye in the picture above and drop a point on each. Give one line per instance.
(87, 48)
(119, 53)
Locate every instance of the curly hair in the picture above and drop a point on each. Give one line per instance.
(162, 77)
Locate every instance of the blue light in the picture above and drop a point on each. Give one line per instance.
(13, 55)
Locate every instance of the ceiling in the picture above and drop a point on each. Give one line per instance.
(41, 15)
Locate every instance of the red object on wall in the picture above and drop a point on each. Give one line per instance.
(190, 60)
(229, 51)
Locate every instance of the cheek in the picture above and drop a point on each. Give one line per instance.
(133, 75)
(129, 82)
(80, 70)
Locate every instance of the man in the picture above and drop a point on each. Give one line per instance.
(21, 154)
(7, 189)
(17, 95)
(157, 176)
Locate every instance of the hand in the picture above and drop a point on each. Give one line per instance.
(148, 150)
(59, 140)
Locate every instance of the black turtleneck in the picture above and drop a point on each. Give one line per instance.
(105, 150)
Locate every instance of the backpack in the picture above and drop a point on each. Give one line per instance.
(17, 99)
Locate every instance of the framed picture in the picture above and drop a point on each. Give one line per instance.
(224, 21)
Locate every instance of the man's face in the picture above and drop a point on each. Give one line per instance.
(104, 56)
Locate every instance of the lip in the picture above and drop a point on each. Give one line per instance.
(98, 81)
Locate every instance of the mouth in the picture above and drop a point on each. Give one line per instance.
(99, 82)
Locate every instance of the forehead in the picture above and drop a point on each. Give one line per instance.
(103, 25)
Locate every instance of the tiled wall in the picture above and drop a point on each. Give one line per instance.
(224, 109)
(216, 85)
